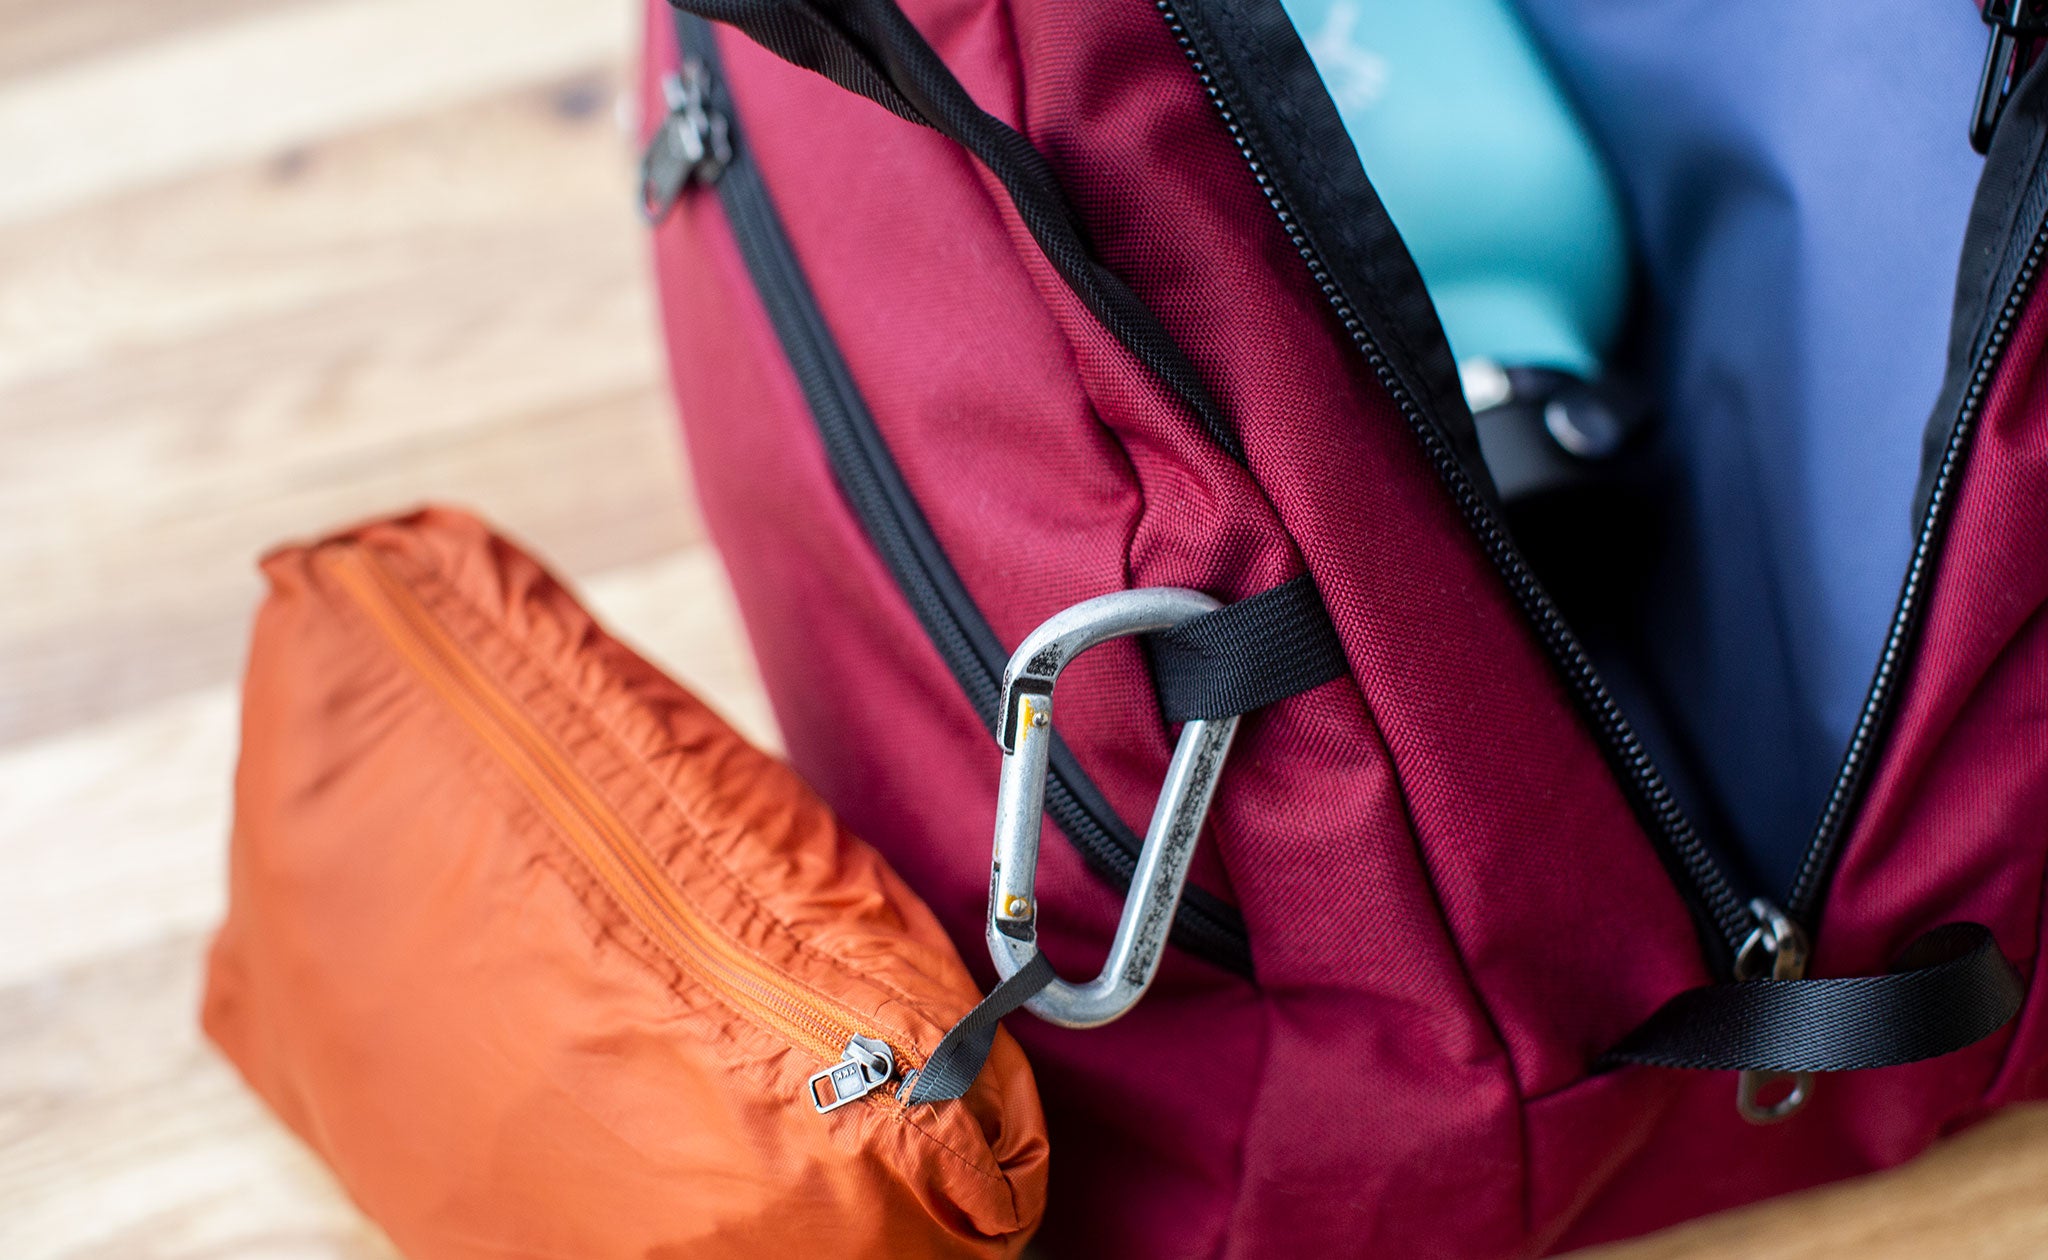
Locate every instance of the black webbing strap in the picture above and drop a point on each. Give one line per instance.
(1950, 988)
(870, 47)
(1246, 655)
(952, 1067)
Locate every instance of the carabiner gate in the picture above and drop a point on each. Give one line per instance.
(1026, 736)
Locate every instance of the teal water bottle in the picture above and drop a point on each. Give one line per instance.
(1502, 199)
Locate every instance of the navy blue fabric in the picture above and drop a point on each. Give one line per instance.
(1799, 177)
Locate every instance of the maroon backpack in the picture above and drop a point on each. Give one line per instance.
(983, 311)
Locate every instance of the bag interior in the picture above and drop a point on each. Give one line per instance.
(1797, 180)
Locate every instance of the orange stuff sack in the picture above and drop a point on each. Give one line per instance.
(542, 957)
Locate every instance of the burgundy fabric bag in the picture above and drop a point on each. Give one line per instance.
(1454, 975)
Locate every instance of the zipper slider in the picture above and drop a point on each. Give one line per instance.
(693, 142)
(1775, 950)
(864, 1067)
(2017, 26)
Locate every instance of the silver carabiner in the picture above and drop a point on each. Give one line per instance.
(1162, 869)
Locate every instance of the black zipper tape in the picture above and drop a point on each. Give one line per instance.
(1342, 233)
(2002, 255)
(871, 47)
(1205, 925)
(1294, 144)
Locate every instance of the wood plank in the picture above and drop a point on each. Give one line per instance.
(182, 551)
(114, 835)
(276, 78)
(1980, 1196)
(123, 1135)
(473, 204)
(679, 613)
(37, 34)
(453, 307)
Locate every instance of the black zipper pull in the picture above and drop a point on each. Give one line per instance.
(1776, 950)
(693, 142)
(2017, 27)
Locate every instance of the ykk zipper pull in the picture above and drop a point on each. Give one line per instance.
(693, 142)
(864, 1067)
(2017, 27)
(1776, 950)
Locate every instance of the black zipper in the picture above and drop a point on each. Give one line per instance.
(873, 485)
(2018, 242)
(1700, 873)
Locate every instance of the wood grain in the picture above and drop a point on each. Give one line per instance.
(1980, 1196)
(270, 265)
(39, 34)
(276, 76)
(449, 306)
(122, 1135)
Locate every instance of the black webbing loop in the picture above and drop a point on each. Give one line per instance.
(952, 1067)
(870, 47)
(1246, 655)
(1951, 988)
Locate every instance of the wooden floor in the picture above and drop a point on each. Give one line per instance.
(270, 265)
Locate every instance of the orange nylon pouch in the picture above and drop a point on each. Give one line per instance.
(541, 956)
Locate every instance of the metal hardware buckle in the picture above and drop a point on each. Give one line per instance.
(2017, 27)
(1162, 866)
(692, 142)
(1778, 943)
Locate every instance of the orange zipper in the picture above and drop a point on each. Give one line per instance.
(607, 846)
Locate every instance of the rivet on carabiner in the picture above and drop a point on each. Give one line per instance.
(1162, 868)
